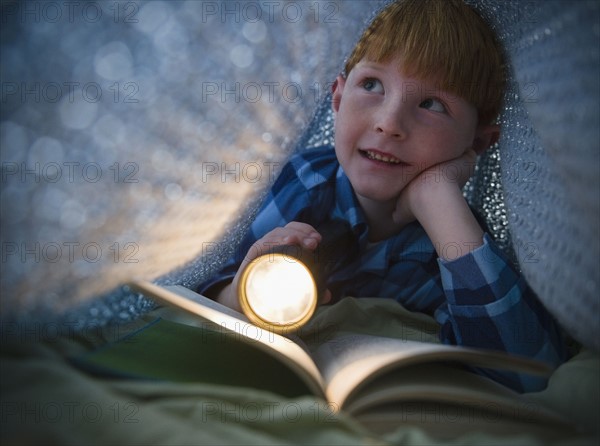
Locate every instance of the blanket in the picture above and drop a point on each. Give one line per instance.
(46, 400)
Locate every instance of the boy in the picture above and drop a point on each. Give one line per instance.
(414, 108)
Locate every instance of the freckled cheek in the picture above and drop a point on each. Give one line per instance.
(437, 150)
(346, 133)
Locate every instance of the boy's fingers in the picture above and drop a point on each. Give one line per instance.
(305, 242)
(303, 229)
(302, 234)
(294, 233)
(325, 297)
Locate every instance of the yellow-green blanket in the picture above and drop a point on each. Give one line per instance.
(46, 400)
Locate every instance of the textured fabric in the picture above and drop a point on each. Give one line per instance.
(47, 401)
(155, 130)
(538, 189)
(479, 300)
(551, 158)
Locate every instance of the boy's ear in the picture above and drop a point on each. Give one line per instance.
(337, 89)
(485, 137)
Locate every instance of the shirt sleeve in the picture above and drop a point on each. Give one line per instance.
(489, 305)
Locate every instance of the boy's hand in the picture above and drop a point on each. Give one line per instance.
(294, 233)
(435, 199)
(451, 174)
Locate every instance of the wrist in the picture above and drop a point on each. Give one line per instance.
(434, 198)
(449, 223)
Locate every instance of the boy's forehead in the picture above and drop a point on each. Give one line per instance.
(444, 42)
(365, 62)
(397, 63)
(423, 84)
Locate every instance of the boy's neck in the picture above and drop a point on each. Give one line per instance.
(379, 218)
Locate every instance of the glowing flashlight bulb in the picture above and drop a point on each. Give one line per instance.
(269, 292)
(279, 291)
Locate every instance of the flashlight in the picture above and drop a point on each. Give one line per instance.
(279, 290)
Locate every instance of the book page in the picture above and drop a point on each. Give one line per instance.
(450, 385)
(206, 309)
(206, 302)
(165, 350)
(212, 304)
(447, 401)
(350, 361)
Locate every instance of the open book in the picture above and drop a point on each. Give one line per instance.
(379, 380)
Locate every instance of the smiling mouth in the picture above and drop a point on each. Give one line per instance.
(383, 158)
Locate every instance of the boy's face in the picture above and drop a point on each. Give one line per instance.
(389, 128)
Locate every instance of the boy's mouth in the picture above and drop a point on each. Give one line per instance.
(381, 157)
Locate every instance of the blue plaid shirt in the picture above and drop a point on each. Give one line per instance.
(479, 300)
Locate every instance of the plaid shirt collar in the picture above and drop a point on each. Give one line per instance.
(376, 257)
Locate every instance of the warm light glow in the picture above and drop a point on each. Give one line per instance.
(280, 289)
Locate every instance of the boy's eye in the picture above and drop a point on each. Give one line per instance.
(433, 105)
(371, 84)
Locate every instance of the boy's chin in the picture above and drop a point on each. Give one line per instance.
(381, 196)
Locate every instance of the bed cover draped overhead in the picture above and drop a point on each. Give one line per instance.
(137, 137)
(136, 141)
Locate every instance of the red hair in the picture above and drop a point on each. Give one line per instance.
(441, 40)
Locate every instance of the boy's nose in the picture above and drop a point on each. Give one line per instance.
(390, 120)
